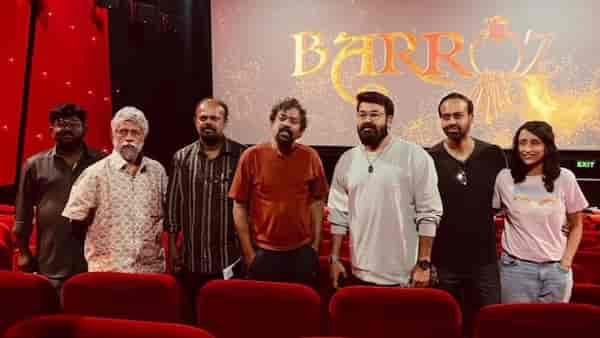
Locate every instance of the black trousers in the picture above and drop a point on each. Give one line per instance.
(295, 266)
(472, 289)
(191, 283)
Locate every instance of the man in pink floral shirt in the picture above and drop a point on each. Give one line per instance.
(124, 195)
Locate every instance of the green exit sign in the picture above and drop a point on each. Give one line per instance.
(586, 164)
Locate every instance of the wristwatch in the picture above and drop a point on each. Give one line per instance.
(424, 264)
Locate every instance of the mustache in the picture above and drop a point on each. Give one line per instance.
(285, 129)
(208, 128)
(368, 125)
(130, 146)
(453, 129)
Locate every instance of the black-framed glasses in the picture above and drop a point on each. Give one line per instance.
(461, 176)
(67, 124)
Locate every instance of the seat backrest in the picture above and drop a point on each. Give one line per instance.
(24, 295)
(382, 312)
(586, 294)
(557, 320)
(5, 248)
(587, 267)
(591, 222)
(243, 308)
(151, 297)
(73, 326)
(590, 241)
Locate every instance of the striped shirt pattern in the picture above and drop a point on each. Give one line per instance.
(198, 205)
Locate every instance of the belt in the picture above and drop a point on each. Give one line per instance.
(528, 261)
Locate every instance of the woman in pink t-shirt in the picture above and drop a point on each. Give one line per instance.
(540, 198)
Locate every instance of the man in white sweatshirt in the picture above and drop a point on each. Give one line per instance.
(385, 194)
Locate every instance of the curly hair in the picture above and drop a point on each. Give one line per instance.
(287, 104)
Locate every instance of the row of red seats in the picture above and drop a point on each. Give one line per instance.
(501, 321)
(73, 326)
(238, 308)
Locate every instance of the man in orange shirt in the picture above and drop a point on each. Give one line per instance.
(279, 188)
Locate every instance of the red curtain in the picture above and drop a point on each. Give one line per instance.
(70, 64)
(14, 24)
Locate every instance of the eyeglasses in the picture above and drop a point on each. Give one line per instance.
(371, 116)
(461, 177)
(123, 132)
(67, 124)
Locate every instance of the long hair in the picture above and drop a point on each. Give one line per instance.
(550, 161)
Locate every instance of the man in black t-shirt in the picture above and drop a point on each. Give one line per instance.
(44, 188)
(464, 251)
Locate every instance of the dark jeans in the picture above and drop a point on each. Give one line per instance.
(58, 284)
(191, 283)
(352, 280)
(472, 289)
(295, 266)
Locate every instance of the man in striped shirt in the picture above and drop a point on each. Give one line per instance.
(197, 200)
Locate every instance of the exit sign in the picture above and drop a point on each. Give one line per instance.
(586, 164)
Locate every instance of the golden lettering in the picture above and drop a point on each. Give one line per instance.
(389, 40)
(435, 55)
(301, 51)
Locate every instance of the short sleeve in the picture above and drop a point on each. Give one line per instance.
(496, 198)
(84, 196)
(574, 198)
(319, 187)
(242, 181)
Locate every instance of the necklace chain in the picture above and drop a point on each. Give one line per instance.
(371, 168)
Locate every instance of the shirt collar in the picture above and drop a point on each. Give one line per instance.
(225, 150)
(120, 163)
(86, 152)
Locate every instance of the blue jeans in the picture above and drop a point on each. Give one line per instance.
(527, 282)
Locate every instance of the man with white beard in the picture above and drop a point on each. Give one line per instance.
(124, 195)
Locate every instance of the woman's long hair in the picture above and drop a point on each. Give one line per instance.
(551, 162)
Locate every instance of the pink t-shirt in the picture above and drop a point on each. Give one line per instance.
(535, 216)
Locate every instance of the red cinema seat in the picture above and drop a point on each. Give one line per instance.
(244, 308)
(6, 251)
(6, 209)
(380, 312)
(586, 267)
(590, 241)
(73, 326)
(591, 222)
(24, 295)
(558, 320)
(151, 297)
(586, 294)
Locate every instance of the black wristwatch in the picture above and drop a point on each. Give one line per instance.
(424, 264)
